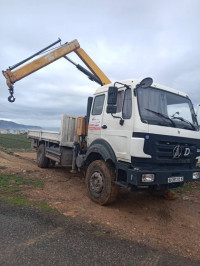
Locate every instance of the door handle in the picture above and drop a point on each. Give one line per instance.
(104, 127)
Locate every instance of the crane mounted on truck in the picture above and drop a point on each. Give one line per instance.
(136, 134)
(13, 76)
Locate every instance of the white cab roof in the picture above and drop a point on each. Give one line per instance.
(134, 82)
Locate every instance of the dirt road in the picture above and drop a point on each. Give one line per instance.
(173, 226)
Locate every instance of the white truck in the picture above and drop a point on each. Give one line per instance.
(136, 134)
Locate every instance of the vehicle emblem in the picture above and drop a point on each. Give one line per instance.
(177, 151)
(187, 151)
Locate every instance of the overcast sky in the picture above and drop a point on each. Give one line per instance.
(126, 39)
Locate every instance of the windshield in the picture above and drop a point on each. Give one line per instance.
(164, 108)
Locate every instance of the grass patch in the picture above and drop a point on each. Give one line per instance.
(12, 185)
(43, 206)
(20, 201)
(13, 181)
(16, 200)
(186, 187)
(32, 171)
(10, 143)
(35, 183)
(3, 167)
(8, 151)
(10, 180)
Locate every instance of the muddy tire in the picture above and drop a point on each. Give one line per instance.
(100, 177)
(42, 160)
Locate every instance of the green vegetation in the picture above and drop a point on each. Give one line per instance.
(16, 200)
(12, 185)
(32, 171)
(10, 143)
(184, 188)
(43, 206)
(20, 201)
(3, 167)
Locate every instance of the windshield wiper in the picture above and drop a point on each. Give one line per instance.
(162, 115)
(184, 120)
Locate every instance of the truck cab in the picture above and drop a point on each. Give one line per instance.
(147, 131)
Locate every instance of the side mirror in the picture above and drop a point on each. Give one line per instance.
(112, 95)
(111, 109)
(112, 100)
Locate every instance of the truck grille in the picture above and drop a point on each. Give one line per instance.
(163, 149)
(167, 150)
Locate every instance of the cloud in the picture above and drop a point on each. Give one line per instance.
(130, 39)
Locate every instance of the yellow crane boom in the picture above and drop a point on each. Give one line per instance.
(62, 51)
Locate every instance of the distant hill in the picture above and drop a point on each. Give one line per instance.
(14, 126)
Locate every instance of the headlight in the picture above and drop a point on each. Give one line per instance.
(148, 178)
(196, 175)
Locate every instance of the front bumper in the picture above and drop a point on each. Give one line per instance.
(134, 176)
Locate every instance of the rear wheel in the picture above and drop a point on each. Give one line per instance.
(100, 177)
(42, 160)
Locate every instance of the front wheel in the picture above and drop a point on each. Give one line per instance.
(100, 177)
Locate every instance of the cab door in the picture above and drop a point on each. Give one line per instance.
(117, 128)
(95, 123)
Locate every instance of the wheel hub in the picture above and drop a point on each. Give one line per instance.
(97, 182)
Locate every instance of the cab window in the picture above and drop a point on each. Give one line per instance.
(127, 106)
(98, 105)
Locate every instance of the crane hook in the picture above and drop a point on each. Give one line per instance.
(11, 98)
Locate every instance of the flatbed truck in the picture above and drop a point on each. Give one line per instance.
(136, 133)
